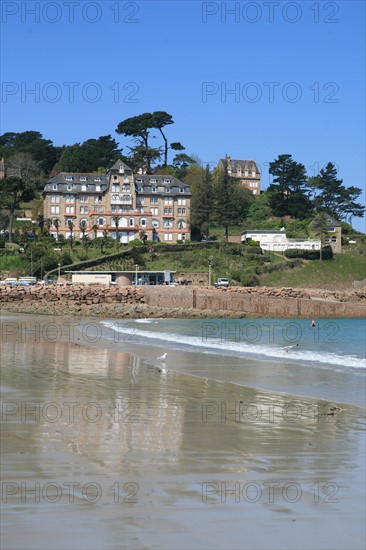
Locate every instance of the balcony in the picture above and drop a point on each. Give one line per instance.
(121, 199)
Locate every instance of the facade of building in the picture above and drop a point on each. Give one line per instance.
(245, 170)
(333, 235)
(120, 203)
(276, 241)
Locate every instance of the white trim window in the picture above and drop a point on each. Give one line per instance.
(154, 223)
(55, 198)
(168, 223)
(55, 209)
(143, 222)
(101, 221)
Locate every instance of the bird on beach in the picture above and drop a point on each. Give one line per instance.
(162, 357)
(286, 348)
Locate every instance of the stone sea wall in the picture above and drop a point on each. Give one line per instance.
(166, 301)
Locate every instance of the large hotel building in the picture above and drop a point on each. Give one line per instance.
(156, 205)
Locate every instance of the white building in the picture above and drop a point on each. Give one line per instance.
(276, 241)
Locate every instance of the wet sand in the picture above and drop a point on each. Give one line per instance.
(112, 453)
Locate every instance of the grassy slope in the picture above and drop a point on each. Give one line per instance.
(338, 273)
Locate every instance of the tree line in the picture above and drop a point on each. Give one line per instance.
(217, 198)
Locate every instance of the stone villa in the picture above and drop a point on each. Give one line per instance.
(245, 170)
(157, 205)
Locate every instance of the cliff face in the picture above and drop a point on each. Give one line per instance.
(165, 301)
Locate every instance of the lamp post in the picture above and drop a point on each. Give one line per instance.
(136, 266)
(209, 273)
(59, 271)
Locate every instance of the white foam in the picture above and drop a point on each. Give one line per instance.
(243, 349)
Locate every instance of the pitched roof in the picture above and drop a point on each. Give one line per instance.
(249, 165)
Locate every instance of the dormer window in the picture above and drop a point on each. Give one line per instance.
(181, 190)
(153, 189)
(83, 178)
(54, 187)
(97, 187)
(153, 181)
(166, 181)
(168, 189)
(68, 178)
(69, 187)
(253, 174)
(121, 170)
(97, 179)
(139, 181)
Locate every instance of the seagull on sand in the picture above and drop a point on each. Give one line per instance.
(162, 357)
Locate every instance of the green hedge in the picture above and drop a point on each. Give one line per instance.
(327, 253)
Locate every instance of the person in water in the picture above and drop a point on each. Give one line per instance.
(313, 324)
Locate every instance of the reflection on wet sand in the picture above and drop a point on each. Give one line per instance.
(93, 415)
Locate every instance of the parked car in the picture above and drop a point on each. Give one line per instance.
(222, 281)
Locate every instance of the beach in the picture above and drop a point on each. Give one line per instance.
(251, 433)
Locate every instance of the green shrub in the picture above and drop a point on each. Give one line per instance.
(249, 278)
(327, 253)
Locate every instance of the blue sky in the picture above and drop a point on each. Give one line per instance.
(250, 79)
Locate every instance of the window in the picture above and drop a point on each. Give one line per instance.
(182, 202)
(97, 178)
(126, 180)
(70, 198)
(83, 187)
(101, 221)
(115, 188)
(153, 189)
(115, 178)
(181, 189)
(153, 180)
(181, 211)
(131, 222)
(83, 178)
(54, 187)
(98, 199)
(54, 221)
(121, 170)
(168, 201)
(55, 209)
(167, 189)
(253, 174)
(153, 200)
(55, 198)
(168, 211)
(69, 178)
(70, 210)
(154, 211)
(83, 209)
(334, 239)
(115, 197)
(97, 187)
(139, 181)
(140, 200)
(69, 187)
(182, 224)
(168, 223)
(168, 237)
(155, 223)
(166, 181)
(83, 198)
(126, 189)
(246, 173)
(83, 222)
(143, 222)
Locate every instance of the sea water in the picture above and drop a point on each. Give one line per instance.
(326, 360)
